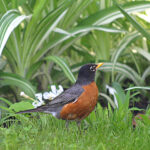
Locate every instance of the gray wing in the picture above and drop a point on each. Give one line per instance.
(67, 96)
(57, 103)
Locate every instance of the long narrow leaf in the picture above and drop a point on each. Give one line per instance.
(133, 22)
(126, 41)
(8, 23)
(5, 100)
(16, 80)
(144, 53)
(48, 22)
(139, 87)
(125, 70)
(73, 32)
(110, 14)
(63, 66)
(82, 29)
(108, 99)
(50, 29)
(5, 108)
(146, 73)
(100, 18)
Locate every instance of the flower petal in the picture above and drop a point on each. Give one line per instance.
(39, 96)
(37, 104)
(112, 91)
(53, 89)
(60, 90)
(52, 95)
(46, 95)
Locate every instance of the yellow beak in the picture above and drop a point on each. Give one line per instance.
(99, 65)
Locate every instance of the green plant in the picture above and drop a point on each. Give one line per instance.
(49, 37)
(34, 45)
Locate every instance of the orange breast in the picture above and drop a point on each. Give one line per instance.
(83, 106)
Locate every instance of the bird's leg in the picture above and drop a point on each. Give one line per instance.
(67, 124)
(79, 125)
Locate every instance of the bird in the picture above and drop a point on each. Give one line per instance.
(78, 101)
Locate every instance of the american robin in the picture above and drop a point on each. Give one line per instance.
(78, 101)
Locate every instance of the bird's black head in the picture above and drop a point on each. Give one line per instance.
(87, 73)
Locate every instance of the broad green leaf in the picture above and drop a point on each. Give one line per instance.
(120, 91)
(125, 70)
(133, 22)
(10, 20)
(20, 106)
(108, 15)
(16, 80)
(63, 66)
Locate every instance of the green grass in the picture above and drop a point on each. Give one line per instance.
(43, 132)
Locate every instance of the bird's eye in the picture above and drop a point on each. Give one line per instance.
(92, 68)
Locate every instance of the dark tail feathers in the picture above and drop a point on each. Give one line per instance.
(29, 111)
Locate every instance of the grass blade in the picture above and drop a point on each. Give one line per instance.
(4, 108)
(108, 99)
(6, 101)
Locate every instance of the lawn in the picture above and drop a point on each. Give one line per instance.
(100, 131)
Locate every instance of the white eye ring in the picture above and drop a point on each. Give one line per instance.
(92, 68)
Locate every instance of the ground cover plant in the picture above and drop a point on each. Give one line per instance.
(44, 43)
(101, 132)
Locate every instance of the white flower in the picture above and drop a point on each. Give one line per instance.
(39, 96)
(46, 95)
(37, 103)
(56, 91)
(60, 90)
(22, 93)
(53, 93)
(53, 89)
(112, 91)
